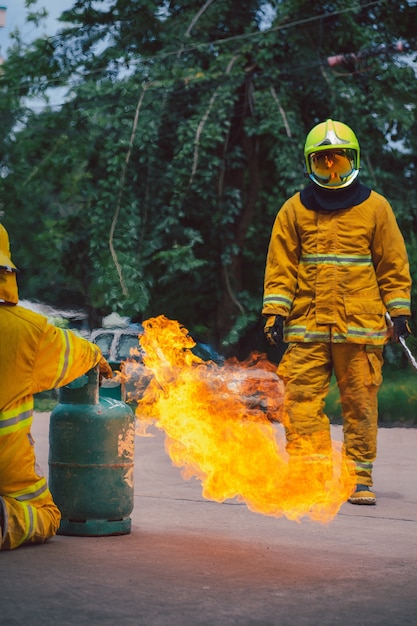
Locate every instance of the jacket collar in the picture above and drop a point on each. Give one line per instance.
(8, 287)
(318, 199)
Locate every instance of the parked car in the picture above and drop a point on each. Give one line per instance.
(121, 348)
(116, 343)
(259, 386)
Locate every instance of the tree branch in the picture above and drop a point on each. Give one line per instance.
(121, 188)
(193, 23)
(281, 110)
(203, 121)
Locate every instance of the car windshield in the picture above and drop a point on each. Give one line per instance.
(207, 353)
(126, 342)
(104, 343)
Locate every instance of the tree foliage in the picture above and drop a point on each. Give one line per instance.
(152, 186)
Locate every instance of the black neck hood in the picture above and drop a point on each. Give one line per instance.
(319, 199)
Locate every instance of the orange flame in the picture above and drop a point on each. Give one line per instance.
(217, 430)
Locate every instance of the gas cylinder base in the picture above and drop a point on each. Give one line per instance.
(95, 528)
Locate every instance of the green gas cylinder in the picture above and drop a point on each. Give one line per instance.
(91, 460)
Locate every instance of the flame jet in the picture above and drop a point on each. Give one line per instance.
(235, 451)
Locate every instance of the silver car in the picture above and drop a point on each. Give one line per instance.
(260, 389)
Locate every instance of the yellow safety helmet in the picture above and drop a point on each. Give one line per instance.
(332, 155)
(6, 262)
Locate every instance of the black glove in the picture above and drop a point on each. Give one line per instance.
(399, 328)
(274, 329)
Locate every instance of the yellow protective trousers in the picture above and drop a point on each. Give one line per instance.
(26, 507)
(306, 369)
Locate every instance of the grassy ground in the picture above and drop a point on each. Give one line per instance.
(397, 399)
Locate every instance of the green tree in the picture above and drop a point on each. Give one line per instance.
(153, 187)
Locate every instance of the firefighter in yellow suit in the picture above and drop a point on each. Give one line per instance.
(336, 266)
(34, 356)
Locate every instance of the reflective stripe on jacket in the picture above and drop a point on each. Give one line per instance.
(333, 274)
(35, 356)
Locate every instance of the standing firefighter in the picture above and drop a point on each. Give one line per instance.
(34, 356)
(336, 264)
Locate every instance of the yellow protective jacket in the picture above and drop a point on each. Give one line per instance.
(333, 274)
(34, 356)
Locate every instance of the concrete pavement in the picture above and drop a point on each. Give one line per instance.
(191, 562)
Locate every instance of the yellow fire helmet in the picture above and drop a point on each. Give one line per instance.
(332, 155)
(6, 262)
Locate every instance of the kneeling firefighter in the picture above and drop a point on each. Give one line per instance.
(336, 265)
(34, 356)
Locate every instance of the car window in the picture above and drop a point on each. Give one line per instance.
(104, 342)
(207, 353)
(125, 343)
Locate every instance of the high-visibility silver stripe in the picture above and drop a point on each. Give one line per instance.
(399, 302)
(299, 330)
(11, 421)
(31, 523)
(366, 332)
(32, 495)
(363, 465)
(66, 359)
(278, 298)
(336, 258)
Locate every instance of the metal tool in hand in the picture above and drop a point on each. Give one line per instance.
(404, 346)
(408, 352)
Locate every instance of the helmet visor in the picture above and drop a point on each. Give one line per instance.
(333, 168)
